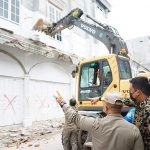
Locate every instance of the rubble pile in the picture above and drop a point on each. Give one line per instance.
(15, 135)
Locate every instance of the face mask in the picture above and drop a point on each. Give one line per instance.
(131, 96)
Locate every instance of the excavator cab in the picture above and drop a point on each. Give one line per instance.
(97, 76)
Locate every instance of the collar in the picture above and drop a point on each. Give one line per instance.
(115, 115)
(142, 104)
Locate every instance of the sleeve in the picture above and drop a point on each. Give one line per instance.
(83, 122)
(129, 102)
(146, 118)
(138, 141)
(145, 124)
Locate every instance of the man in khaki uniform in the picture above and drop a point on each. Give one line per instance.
(70, 131)
(111, 132)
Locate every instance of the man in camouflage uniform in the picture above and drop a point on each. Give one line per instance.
(139, 93)
(70, 131)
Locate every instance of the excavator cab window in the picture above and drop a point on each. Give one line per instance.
(124, 69)
(95, 77)
(107, 74)
(90, 75)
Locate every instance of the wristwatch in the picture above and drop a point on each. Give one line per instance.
(99, 98)
(62, 103)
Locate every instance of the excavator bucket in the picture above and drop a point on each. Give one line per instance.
(38, 25)
(42, 25)
(51, 28)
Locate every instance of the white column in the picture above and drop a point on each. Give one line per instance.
(27, 120)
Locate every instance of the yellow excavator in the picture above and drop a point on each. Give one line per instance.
(95, 76)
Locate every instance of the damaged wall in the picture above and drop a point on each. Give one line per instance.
(28, 78)
(28, 97)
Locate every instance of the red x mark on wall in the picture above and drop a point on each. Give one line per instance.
(42, 101)
(10, 103)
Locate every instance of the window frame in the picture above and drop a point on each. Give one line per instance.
(94, 90)
(10, 11)
(55, 17)
(128, 73)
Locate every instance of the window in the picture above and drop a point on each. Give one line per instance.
(90, 80)
(54, 14)
(100, 12)
(10, 9)
(90, 75)
(95, 77)
(124, 69)
(107, 74)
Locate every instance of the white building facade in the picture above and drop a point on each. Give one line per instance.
(139, 49)
(31, 71)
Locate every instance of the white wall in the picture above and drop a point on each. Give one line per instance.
(9, 67)
(32, 91)
(11, 91)
(139, 49)
(36, 78)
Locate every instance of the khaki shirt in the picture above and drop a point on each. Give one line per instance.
(68, 124)
(109, 133)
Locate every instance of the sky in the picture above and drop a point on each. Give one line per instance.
(130, 17)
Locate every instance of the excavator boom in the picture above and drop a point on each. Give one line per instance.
(104, 33)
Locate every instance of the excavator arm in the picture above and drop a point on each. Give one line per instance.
(108, 35)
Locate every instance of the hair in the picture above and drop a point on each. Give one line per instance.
(114, 107)
(141, 83)
(72, 102)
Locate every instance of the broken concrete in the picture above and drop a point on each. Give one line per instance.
(14, 136)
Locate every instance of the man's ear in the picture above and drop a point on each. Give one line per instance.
(107, 107)
(139, 92)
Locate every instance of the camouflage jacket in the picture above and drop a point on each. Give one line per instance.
(142, 119)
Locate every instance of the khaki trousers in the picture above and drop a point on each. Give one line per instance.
(69, 139)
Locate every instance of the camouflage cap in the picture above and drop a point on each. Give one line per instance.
(114, 98)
